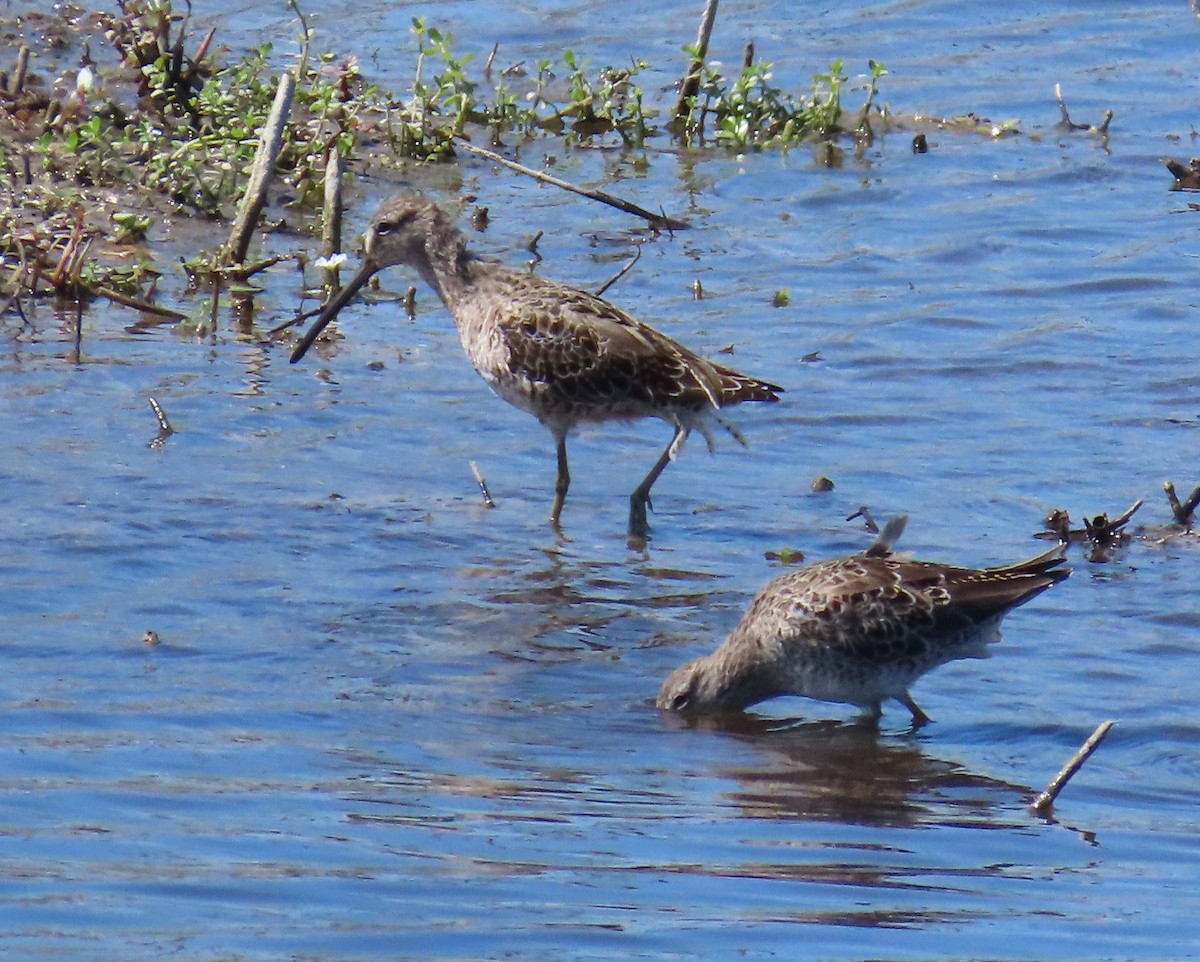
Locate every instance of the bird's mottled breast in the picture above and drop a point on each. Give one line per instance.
(565, 355)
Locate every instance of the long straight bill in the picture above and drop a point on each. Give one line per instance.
(330, 310)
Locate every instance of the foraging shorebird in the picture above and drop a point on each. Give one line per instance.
(859, 629)
(565, 356)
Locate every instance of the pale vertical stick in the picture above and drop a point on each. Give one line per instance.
(483, 488)
(270, 141)
(16, 83)
(331, 228)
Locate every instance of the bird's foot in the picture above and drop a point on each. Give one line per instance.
(639, 527)
(919, 718)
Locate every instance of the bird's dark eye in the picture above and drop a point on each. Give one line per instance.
(385, 227)
(680, 701)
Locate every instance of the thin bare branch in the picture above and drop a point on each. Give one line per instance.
(255, 198)
(136, 303)
(655, 220)
(1045, 801)
(690, 85)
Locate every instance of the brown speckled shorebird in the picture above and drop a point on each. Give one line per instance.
(858, 629)
(565, 356)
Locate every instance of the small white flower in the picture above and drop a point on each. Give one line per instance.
(86, 80)
(337, 260)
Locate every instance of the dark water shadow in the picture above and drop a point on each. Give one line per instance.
(851, 773)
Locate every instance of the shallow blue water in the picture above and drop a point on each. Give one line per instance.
(385, 721)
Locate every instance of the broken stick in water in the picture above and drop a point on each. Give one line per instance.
(164, 426)
(1044, 802)
(657, 221)
(689, 86)
(1183, 512)
(255, 198)
(483, 488)
(331, 221)
(637, 256)
(865, 513)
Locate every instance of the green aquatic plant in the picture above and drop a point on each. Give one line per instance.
(612, 101)
(191, 130)
(751, 111)
(442, 105)
(176, 129)
(131, 227)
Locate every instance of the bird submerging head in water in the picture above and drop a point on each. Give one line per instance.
(565, 356)
(859, 629)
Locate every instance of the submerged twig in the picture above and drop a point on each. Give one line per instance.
(77, 345)
(214, 301)
(137, 303)
(1045, 801)
(865, 513)
(298, 319)
(655, 220)
(1067, 123)
(637, 256)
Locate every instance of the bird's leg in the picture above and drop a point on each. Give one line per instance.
(919, 718)
(640, 499)
(871, 713)
(561, 483)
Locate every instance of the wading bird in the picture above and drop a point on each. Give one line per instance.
(859, 629)
(565, 356)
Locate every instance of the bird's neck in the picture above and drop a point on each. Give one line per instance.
(447, 268)
(739, 674)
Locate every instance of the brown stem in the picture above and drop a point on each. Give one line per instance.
(690, 85)
(655, 220)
